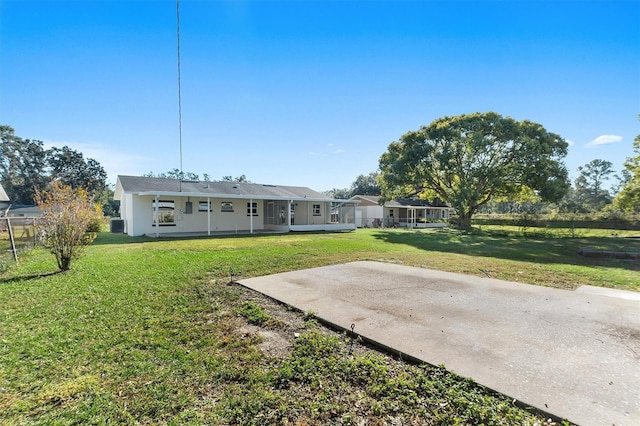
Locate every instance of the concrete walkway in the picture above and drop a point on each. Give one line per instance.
(575, 354)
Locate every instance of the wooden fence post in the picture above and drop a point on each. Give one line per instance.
(13, 243)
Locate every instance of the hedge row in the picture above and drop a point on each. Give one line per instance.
(620, 224)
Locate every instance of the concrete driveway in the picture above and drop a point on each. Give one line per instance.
(575, 354)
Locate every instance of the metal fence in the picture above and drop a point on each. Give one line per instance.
(17, 234)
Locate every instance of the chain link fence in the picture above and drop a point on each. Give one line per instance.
(17, 234)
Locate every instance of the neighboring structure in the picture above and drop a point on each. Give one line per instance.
(155, 207)
(21, 216)
(4, 200)
(402, 212)
(25, 211)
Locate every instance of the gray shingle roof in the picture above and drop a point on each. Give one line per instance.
(403, 202)
(137, 184)
(410, 202)
(375, 199)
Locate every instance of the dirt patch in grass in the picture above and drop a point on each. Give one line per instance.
(314, 375)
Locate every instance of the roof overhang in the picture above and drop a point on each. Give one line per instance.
(240, 196)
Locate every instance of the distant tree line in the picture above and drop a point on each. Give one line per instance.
(26, 168)
(480, 162)
(589, 193)
(487, 163)
(177, 174)
(363, 185)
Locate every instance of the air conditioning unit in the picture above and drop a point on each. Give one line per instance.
(117, 226)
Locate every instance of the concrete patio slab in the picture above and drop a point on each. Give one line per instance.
(575, 354)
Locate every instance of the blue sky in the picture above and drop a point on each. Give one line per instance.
(311, 93)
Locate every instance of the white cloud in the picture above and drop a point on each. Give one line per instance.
(326, 153)
(605, 139)
(571, 143)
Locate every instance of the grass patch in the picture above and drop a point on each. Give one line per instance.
(254, 313)
(149, 331)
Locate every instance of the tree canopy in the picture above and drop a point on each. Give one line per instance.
(22, 166)
(26, 168)
(363, 185)
(589, 183)
(366, 185)
(468, 160)
(177, 174)
(628, 198)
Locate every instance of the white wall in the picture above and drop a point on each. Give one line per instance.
(137, 211)
(126, 213)
(369, 214)
(303, 213)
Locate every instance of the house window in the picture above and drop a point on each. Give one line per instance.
(252, 209)
(204, 206)
(165, 210)
(316, 209)
(226, 206)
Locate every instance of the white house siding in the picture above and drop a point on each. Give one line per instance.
(236, 220)
(303, 213)
(142, 220)
(277, 208)
(127, 214)
(369, 214)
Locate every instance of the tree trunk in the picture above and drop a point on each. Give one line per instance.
(64, 263)
(464, 220)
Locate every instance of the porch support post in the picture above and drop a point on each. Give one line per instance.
(208, 216)
(157, 208)
(353, 212)
(251, 215)
(289, 214)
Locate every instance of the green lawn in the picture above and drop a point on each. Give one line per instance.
(146, 331)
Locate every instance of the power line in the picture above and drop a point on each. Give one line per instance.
(179, 85)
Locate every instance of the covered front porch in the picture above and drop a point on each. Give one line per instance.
(416, 217)
(309, 215)
(180, 216)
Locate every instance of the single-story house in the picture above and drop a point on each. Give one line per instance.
(156, 207)
(401, 212)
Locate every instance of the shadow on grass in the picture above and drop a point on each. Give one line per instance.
(537, 249)
(28, 277)
(105, 238)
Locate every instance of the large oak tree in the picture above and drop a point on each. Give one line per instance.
(22, 166)
(27, 167)
(468, 160)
